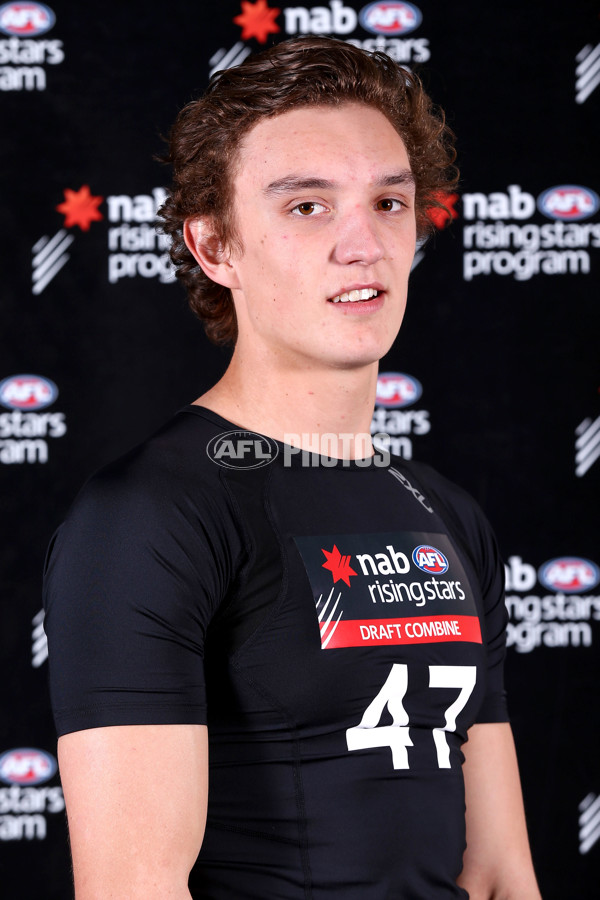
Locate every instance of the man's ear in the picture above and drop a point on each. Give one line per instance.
(212, 257)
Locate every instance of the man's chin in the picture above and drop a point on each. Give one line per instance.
(366, 356)
(358, 361)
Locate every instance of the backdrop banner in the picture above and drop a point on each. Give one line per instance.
(493, 380)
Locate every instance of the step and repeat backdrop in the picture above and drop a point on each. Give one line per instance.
(494, 379)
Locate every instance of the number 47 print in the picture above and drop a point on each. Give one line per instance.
(368, 733)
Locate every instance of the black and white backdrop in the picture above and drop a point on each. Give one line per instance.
(494, 378)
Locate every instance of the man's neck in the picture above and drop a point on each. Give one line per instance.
(300, 406)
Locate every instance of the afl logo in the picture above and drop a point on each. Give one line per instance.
(26, 766)
(26, 19)
(569, 574)
(242, 450)
(430, 560)
(27, 392)
(389, 17)
(568, 202)
(394, 390)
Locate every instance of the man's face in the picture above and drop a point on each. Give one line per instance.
(324, 207)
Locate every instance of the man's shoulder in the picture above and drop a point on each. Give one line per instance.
(430, 479)
(454, 504)
(169, 470)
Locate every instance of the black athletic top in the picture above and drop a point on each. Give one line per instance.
(338, 627)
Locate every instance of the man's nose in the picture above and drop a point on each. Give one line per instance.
(357, 238)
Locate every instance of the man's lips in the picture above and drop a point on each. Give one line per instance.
(359, 307)
(357, 293)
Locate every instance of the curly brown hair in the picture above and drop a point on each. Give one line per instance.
(306, 71)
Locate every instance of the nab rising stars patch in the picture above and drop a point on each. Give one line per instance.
(392, 588)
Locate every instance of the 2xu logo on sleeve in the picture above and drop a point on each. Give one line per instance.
(25, 430)
(391, 588)
(561, 612)
(24, 52)
(26, 800)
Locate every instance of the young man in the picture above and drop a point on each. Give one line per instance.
(332, 628)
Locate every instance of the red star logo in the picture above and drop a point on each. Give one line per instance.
(442, 217)
(80, 208)
(257, 20)
(338, 565)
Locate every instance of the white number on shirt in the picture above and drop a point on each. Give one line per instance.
(368, 733)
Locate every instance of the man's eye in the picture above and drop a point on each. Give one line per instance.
(389, 204)
(308, 208)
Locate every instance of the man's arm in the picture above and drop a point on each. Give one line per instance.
(497, 861)
(136, 804)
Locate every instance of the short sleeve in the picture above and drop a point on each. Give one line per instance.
(491, 578)
(133, 578)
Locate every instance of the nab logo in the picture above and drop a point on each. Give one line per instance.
(26, 766)
(242, 450)
(390, 18)
(395, 390)
(569, 202)
(569, 574)
(26, 19)
(430, 560)
(27, 392)
(338, 565)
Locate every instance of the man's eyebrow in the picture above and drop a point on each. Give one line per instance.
(291, 183)
(405, 176)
